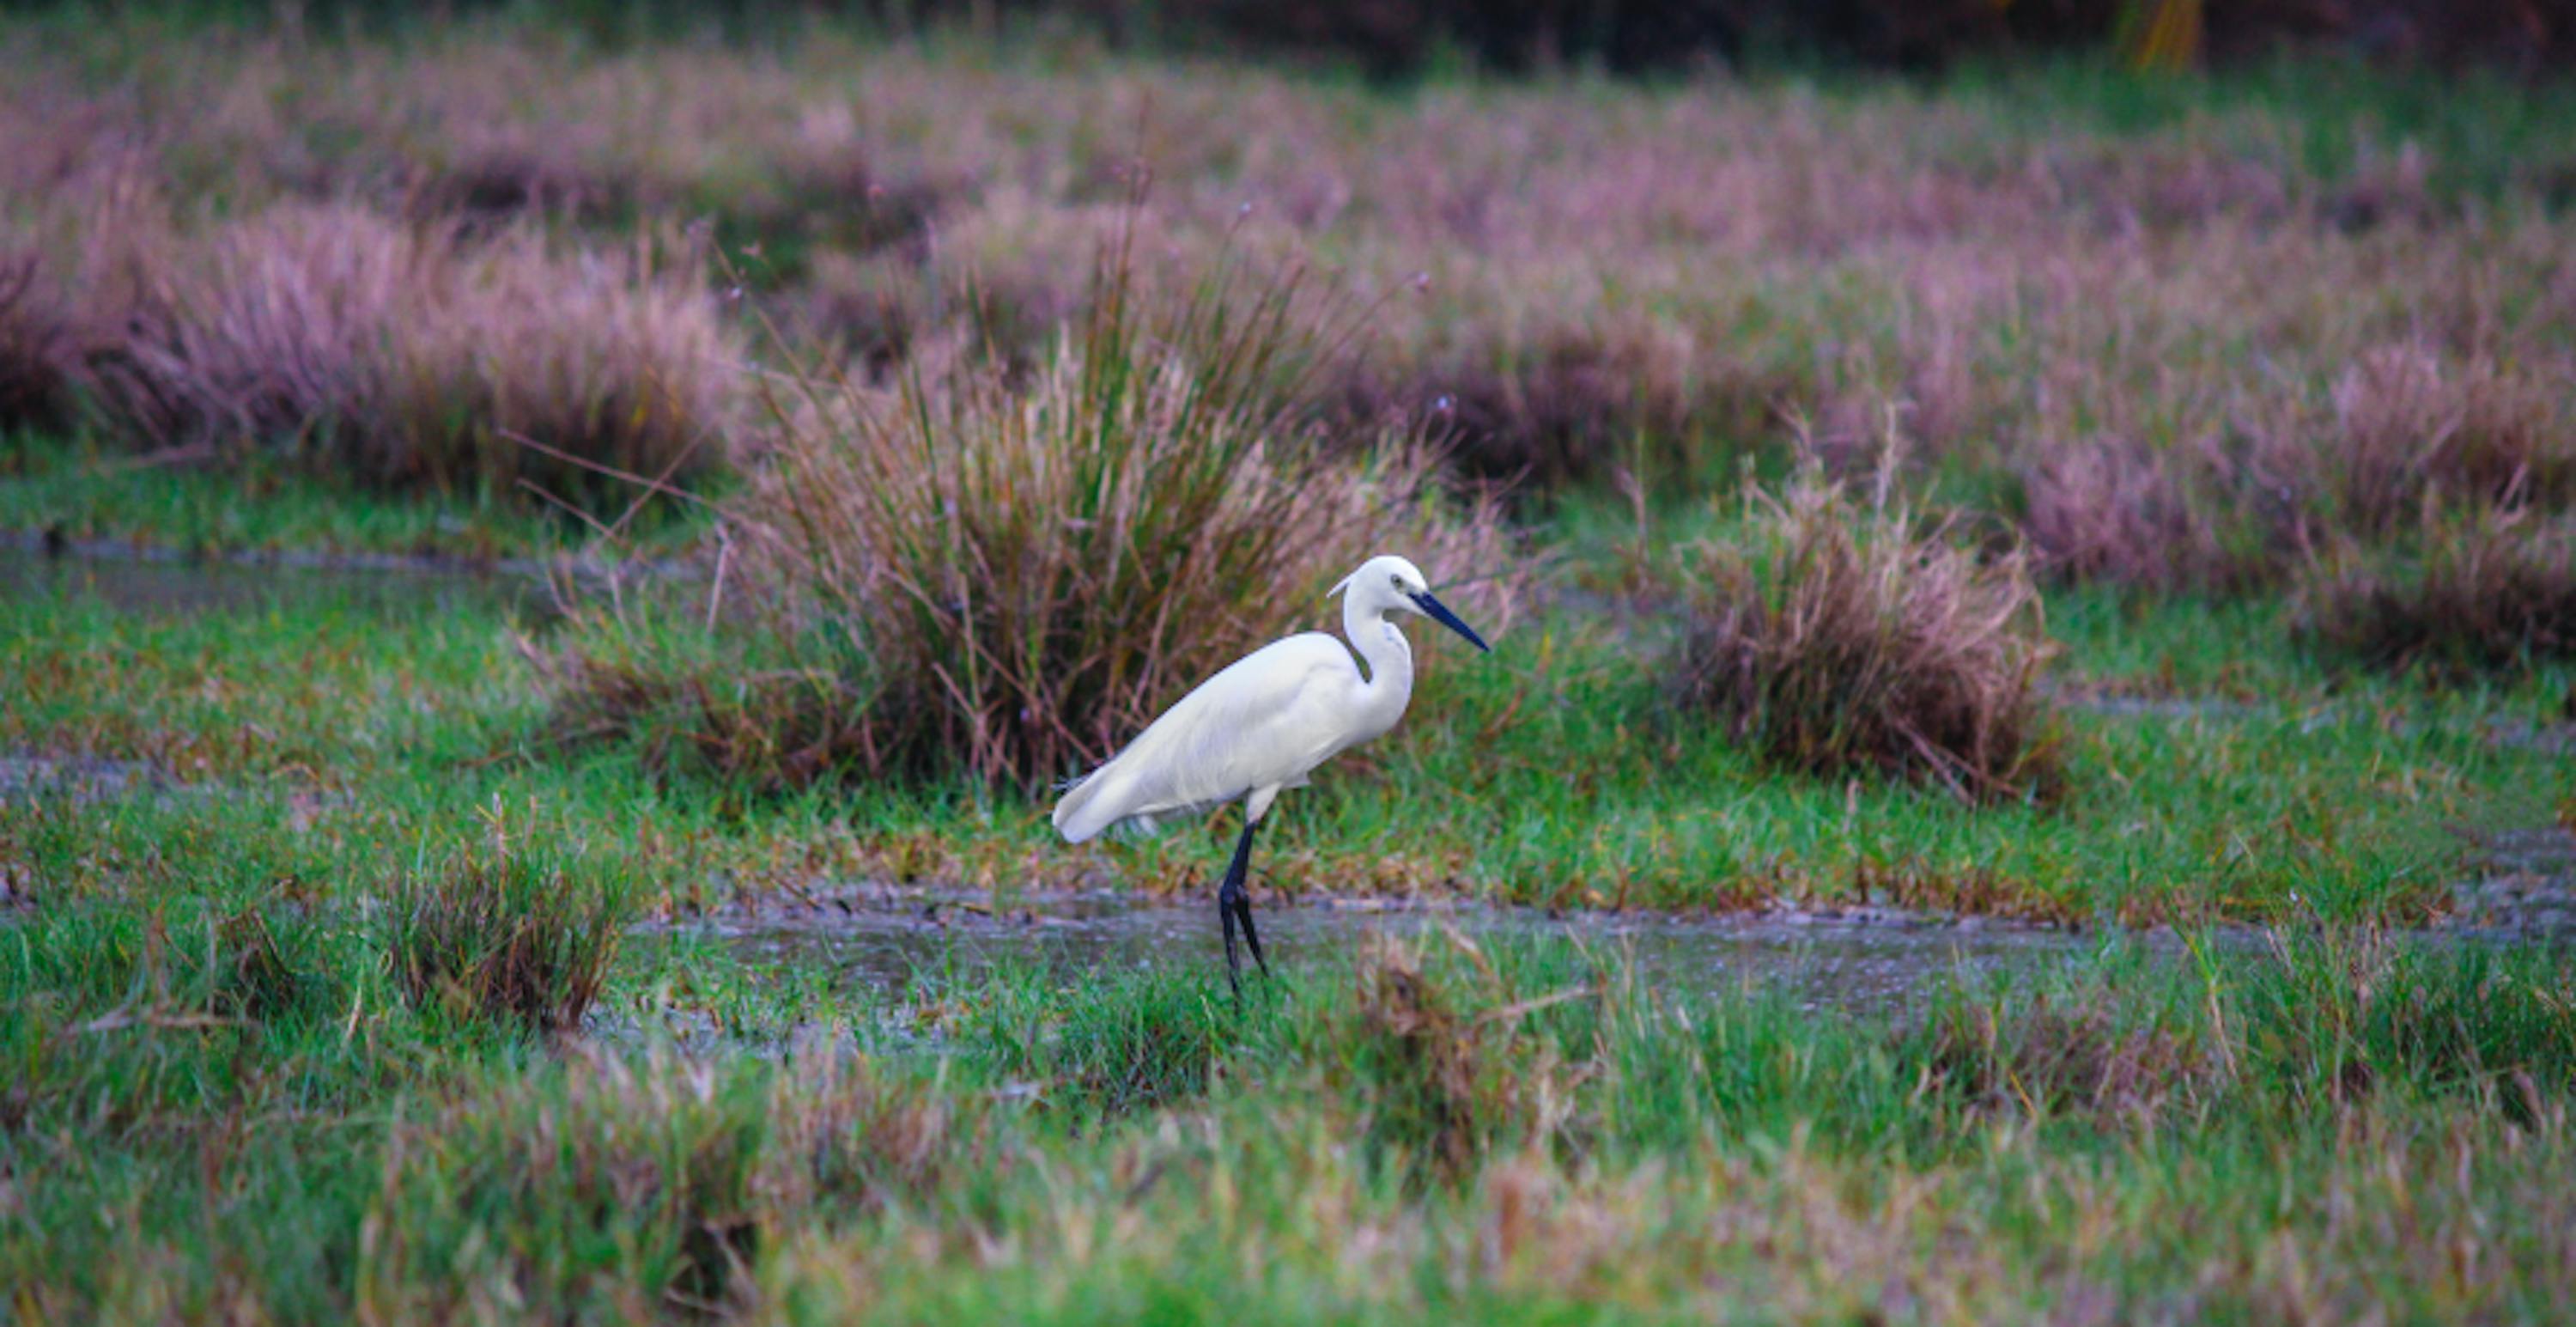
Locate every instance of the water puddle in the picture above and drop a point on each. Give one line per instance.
(26, 777)
(1859, 959)
(1855, 961)
(2527, 890)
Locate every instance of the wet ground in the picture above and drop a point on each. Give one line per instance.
(1861, 959)
(167, 586)
(2526, 888)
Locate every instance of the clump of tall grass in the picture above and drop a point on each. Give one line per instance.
(1135, 1043)
(604, 1180)
(580, 1184)
(512, 934)
(1449, 1077)
(2408, 438)
(2411, 432)
(2052, 1056)
(1013, 575)
(1837, 635)
(36, 347)
(2105, 508)
(1579, 400)
(408, 355)
(2482, 592)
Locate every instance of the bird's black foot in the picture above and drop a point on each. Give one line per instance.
(1233, 904)
(1225, 918)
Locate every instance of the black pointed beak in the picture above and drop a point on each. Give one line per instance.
(1439, 612)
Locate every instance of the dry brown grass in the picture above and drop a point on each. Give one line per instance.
(1837, 635)
(1665, 276)
(2484, 592)
(2171, 518)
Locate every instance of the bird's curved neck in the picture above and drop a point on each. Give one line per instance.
(1382, 646)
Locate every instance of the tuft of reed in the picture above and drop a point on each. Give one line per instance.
(1013, 574)
(2054, 1056)
(1574, 403)
(1837, 636)
(514, 935)
(2483, 592)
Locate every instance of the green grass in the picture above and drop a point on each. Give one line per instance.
(1517, 1130)
(1555, 771)
(258, 505)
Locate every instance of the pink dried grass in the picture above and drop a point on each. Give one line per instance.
(403, 355)
(2414, 432)
(2172, 518)
(1692, 264)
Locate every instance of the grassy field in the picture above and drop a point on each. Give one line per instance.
(2129, 504)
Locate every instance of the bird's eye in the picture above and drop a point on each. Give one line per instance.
(1396, 581)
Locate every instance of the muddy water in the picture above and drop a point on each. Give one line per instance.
(1867, 961)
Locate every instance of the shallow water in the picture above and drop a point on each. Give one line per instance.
(1846, 961)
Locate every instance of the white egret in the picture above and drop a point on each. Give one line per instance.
(1263, 724)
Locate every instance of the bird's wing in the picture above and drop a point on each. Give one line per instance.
(1266, 719)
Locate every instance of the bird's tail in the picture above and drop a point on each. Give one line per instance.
(1071, 810)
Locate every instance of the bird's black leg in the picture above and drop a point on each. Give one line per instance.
(1233, 904)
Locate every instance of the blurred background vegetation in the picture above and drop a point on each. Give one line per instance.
(1400, 37)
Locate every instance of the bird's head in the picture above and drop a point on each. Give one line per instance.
(1390, 584)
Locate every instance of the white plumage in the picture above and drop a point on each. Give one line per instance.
(1265, 722)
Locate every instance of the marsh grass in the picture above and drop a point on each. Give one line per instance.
(1450, 1077)
(2182, 518)
(1147, 1042)
(37, 347)
(191, 964)
(626, 1187)
(2415, 434)
(2474, 594)
(517, 934)
(1508, 1117)
(1009, 576)
(222, 1100)
(1837, 635)
(408, 356)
